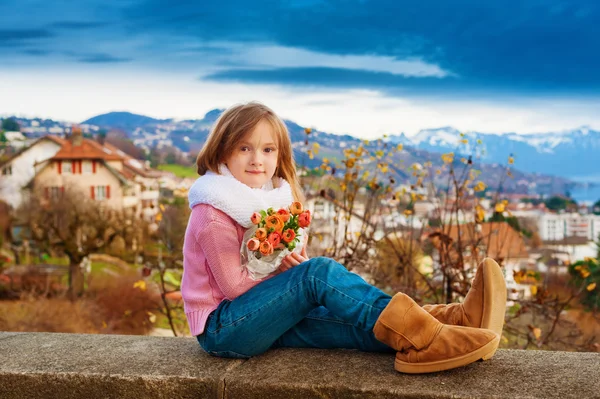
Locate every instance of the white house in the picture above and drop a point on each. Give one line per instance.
(329, 222)
(556, 227)
(16, 139)
(18, 170)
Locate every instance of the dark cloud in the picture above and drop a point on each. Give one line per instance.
(75, 25)
(514, 43)
(36, 52)
(387, 82)
(212, 50)
(18, 35)
(101, 59)
(505, 46)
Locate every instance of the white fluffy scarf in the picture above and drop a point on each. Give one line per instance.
(226, 193)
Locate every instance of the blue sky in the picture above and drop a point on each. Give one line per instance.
(359, 67)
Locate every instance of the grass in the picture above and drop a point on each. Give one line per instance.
(179, 170)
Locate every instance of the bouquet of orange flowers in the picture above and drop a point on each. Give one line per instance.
(275, 235)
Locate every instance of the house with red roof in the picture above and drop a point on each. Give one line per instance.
(100, 172)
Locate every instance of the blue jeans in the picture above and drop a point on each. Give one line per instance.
(317, 304)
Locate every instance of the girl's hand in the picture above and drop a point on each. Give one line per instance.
(293, 259)
(303, 252)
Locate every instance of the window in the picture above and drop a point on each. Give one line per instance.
(100, 192)
(67, 167)
(54, 193)
(87, 167)
(7, 170)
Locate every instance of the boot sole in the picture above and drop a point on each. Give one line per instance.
(446, 364)
(494, 301)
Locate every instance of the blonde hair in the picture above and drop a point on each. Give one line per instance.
(230, 129)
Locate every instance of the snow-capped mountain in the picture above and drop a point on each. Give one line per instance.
(573, 154)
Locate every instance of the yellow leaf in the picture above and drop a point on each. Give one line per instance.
(480, 213)
(480, 186)
(537, 333)
(500, 207)
(448, 158)
(151, 317)
(511, 160)
(591, 287)
(464, 141)
(585, 273)
(534, 290)
(399, 147)
(407, 212)
(141, 284)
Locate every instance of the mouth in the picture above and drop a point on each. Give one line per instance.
(254, 172)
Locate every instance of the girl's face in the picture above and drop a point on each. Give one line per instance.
(254, 159)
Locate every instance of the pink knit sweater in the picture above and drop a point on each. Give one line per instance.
(212, 269)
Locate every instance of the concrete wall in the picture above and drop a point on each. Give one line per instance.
(46, 365)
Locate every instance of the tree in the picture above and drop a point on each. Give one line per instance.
(559, 203)
(10, 125)
(120, 140)
(596, 208)
(71, 224)
(169, 264)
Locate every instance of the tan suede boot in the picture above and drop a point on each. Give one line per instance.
(424, 344)
(483, 307)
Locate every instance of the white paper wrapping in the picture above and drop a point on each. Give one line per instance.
(261, 268)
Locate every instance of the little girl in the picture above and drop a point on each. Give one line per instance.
(246, 165)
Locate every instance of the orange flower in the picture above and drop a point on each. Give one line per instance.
(304, 219)
(256, 218)
(274, 222)
(288, 235)
(296, 208)
(274, 238)
(253, 244)
(283, 215)
(266, 248)
(261, 234)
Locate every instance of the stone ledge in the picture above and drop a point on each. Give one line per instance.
(50, 365)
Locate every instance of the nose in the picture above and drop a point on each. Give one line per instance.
(256, 158)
